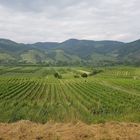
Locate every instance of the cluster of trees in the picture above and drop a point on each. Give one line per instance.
(85, 75)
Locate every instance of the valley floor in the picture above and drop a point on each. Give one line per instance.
(35, 94)
(26, 130)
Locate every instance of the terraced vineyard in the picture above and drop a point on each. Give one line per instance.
(33, 93)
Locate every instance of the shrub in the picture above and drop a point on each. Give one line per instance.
(84, 75)
(57, 75)
(76, 76)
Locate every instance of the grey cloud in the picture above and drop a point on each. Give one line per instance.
(37, 5)
(57, 20)
(23, 5)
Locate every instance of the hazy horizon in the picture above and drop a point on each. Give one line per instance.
(45, 41)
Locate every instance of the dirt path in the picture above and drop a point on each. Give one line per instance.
(82, 71)
(26, 130)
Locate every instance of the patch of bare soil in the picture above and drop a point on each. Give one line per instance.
(26, 130)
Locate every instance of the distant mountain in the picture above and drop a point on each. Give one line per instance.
(45, 46)
(85, 48)
(70, 52)
(130, 53)
(11, 46)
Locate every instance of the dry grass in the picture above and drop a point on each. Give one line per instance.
(26, 130)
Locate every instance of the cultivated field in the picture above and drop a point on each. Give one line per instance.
(33, 93)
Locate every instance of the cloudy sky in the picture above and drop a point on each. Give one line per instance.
(57, 20)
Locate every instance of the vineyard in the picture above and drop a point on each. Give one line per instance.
(34, 93)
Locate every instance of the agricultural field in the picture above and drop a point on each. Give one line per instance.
(35, 94)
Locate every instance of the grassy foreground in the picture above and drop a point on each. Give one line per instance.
(26, 130)
(33, 93)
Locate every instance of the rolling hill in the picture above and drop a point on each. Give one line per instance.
(70, 52)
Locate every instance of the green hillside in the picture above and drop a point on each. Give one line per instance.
(33, 56)
(6, 58)
(71, 52)
(130, 52)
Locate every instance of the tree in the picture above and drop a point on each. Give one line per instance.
(57, 75)
(84, 75)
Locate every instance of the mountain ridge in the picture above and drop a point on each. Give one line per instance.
(70, 52)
